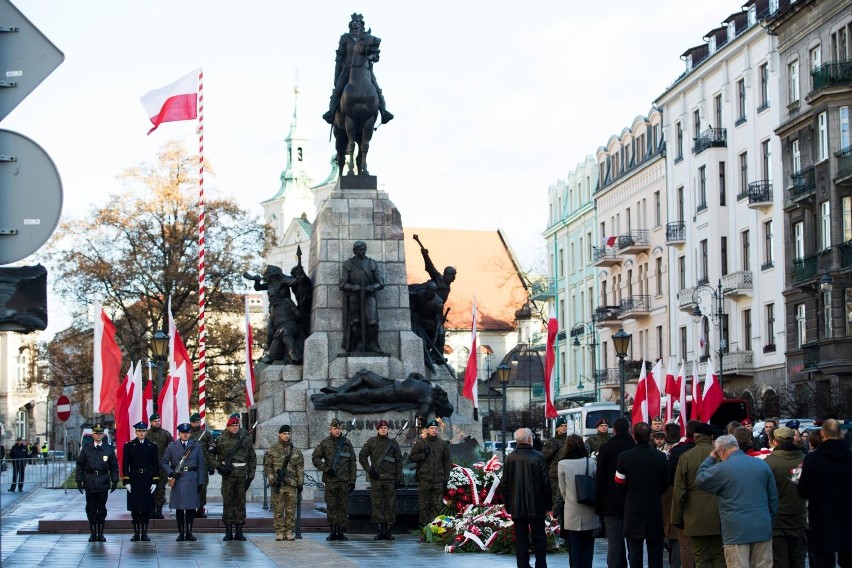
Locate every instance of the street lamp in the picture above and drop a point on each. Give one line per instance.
(503, 370)
(587, 328)
(621, 340)
(718, 295)
(160, 351)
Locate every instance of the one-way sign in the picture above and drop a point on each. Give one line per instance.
(26, 57)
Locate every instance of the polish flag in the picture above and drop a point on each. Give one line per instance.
(124, 394)
(640, 401)
(107, 363)
(249, 368)
(610, 241)
(696, 393)
(671, 391)
(177, 101)
(711, 398)
(681, 383)
(471, 371)
(652, 386)
(166, 407)
(180, 370)
(550, 365)
(148, 398)
(135, 408)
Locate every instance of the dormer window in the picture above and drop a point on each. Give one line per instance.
(752, 15)
(732, 30)
(773, 6)
(712, 44)
(689, 62)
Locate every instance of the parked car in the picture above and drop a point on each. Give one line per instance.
(496, 447)
(55, 455)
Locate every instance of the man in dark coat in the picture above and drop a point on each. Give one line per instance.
(18, 454)
(186, 469)
(527, 494)
(140, 475)
(687, 556)
(789, 539)
(609, 501)
(825, 483)
(196, 434)
(552, 452)
(97, 473)
(642, 474)
(432, 456)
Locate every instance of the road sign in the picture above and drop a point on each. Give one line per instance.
(26, 57)
(63, 408)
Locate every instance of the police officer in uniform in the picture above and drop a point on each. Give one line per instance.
(595, 442)
(335, 457)
(432, 456)
(381, 459)
(236, 461)
(284, 468)
(140, 474)
(195, 433)
(97, 473)
(552, 452)
(185, 479)
(161, 439)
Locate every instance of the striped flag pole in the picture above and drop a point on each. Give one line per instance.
(202, 300)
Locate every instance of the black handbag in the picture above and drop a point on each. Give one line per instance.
(585, 487)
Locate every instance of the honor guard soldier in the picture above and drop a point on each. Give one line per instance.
(160, 438)
(382, 462)
(552, 452)
(236, 461)
(335, 458)
(284, 468)
(432, 456)
(195, 433)
(97, 473)
(184, 466)
(595, 442)
(140, 474)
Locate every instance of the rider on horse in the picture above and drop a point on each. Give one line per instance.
(343, 60)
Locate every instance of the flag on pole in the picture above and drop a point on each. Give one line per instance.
(550, 365)
(166, 407)
(180, 370)
(696, 393)
(671, 390)
(471, 371)
(640, 400)
(135, 407)
(123, 395)
(681, 380)
(176, 101)
(148, 398)
(711, 398)
(610, 241)
(652, 386)
(249, 369)
(107, 363)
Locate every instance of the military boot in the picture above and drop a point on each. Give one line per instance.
(101, 533)
(239, 534)
(333, 534)
(144, 537)
(381, 534)
(135, 536)
(158, 513)
(229, 535)
(388, 533)
(93, 528)
(181, 531)
(189, 536)
(340, 534)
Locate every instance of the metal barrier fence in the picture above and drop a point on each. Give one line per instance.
(37, 472)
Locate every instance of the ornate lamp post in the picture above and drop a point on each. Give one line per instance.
(503, 371)
(718, 295)
(621, 340)
(160, 351)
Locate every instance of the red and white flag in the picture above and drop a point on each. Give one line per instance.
(711, 398)
(652, 385)
(180, 370)
(166, 407)
(471, 371)
(124, 393)
(550, 365)
(148, 398)
(107, 363)
(249, 364)
(176, 101)
(640, 400)
(135, 407)
(671, 390)
(610, 241)
(696, 393)
(681, 383)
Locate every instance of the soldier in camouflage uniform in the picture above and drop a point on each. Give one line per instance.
(381, 459)
(595, 442)
(161, 439)
(432, 456)
(236, 461)
(284, 484)
(195, 433)
(552, 452)
(335, 457)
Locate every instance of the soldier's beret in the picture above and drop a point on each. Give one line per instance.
(657, 419)
(98, 429)
(561, 421)
(195, 418)
(431, 423)
(335, 423)
(382, 423)
(284, 428)
(602, 421)
(185, 427)
(140, 426)
(154, 416)
(233, 420)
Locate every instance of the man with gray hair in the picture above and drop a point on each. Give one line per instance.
(526, 487)
(748, 502)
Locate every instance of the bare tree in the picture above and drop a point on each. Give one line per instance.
(831, 401)
(797, 401)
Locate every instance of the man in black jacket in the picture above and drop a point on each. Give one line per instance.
(609, 502)
(527, 495)
(18, 454)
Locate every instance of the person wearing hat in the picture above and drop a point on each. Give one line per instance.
(18, 454)
(236, 462)
(601, 437)
(381, 459)
(284, 468)
(160, 438)
(97, 473)
(335, 458)
(789, 540)
(184, 466)
(656, 424)
(195, 434)
(140, 472)
(432, 456)
(552, 452)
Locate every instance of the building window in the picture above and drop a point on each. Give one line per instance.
(793, 78)
(815, 57)
(797, 156)
(705, 337)
(659, 262)
(847, 219)
(770, 327)
(717, 110)
(702, 188)
(766, 154)
(696, 123)
(826, 306)
(746, 330)
(721, 183)
(681, 272)
(822, 127)
(764, 86)
(680, 204)
(744, 174)
(799, 240)
(679, 140)
(843, 115)
(847, 299)
(683, 343)
(768, 254)
(705, 273)
(724, 254)
(659, 342)
(801, 325)
(746, 250)
(657, 209)
(825, 224)
(561, 262)
(741, 101)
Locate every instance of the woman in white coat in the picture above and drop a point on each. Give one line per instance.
(580, 521)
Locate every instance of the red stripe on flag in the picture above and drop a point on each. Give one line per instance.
(178, 107)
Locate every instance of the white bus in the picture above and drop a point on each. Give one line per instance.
(582, 420)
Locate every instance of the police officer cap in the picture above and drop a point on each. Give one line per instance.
(284, 428)
(382, 423)
(431, 423)
(140, 426)
(602, 421)
(561, 421)
(335, 423)
(98, 429)
(154, 416)
(792, 424)
(195, 418)
(185, 427)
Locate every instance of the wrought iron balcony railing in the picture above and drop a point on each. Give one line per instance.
(832, 74)
(844, 161)
(675, 231)
(760, 192)
(804, 182)
(804, 268)
(711, 138)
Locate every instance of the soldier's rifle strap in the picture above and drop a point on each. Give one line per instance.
(282, 473)
(230, 460)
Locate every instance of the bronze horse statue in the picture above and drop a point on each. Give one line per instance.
(359, 107)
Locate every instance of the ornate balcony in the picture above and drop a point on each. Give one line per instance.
(711, 138)
(543, 289)
(634, 306)
(810, 355)
(804, 268)
(604, 256)
(684, 300)
(607, 315)
(759, 194)
(607, 377)
(844, 162)
(633, 242)
(831, 74)
(737, 283)
(804, 185)
(738, 362)
(675, 232)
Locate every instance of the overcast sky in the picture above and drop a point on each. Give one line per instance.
(494, 101)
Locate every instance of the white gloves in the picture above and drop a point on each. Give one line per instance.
(127, 486)
(153, 487)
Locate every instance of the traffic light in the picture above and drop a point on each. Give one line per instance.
(23, 298)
